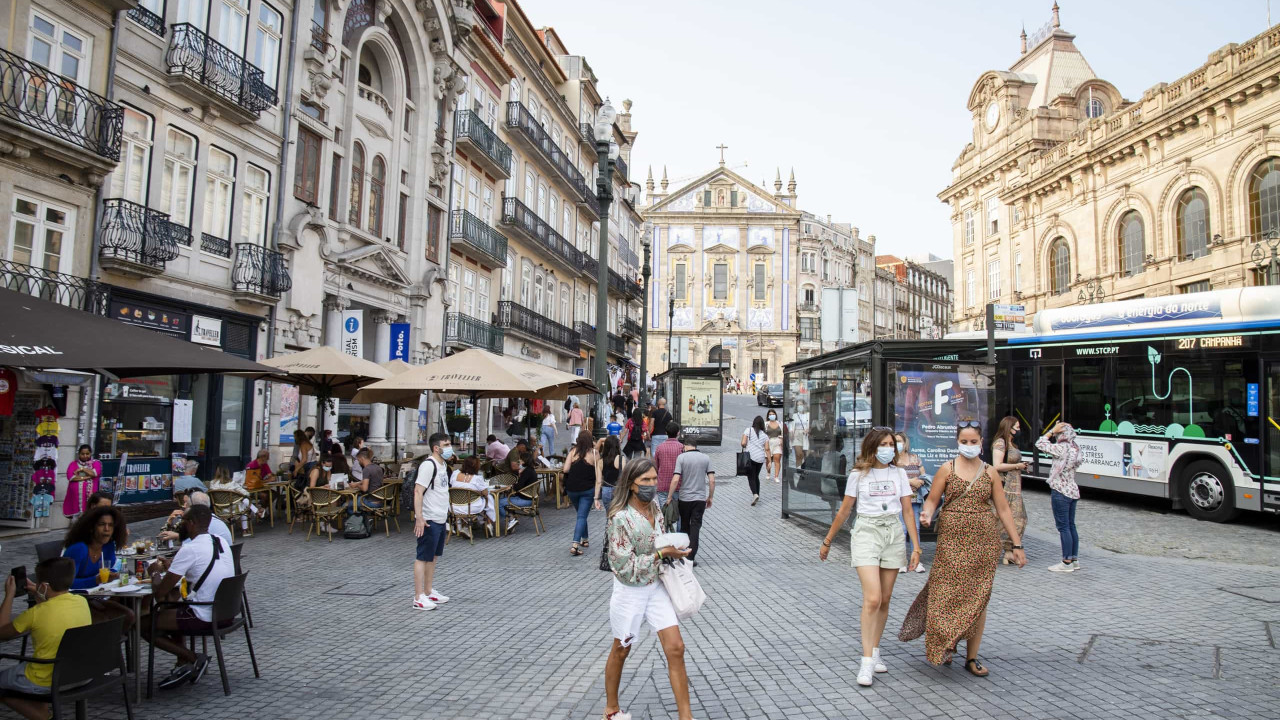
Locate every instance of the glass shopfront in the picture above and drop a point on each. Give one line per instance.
(831, 402)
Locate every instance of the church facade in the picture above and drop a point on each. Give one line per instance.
(724, 274)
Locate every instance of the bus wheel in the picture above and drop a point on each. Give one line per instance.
(1207, 492)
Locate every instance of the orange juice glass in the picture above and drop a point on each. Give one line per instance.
(103, 575)
(182, 587)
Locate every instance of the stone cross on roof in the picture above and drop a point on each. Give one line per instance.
(722, 147)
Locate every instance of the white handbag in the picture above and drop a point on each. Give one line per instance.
(684, 589)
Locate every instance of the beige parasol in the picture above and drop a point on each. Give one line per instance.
(327, 373)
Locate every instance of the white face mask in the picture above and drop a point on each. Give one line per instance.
(900, 447)
(884, 455)
(970, 451)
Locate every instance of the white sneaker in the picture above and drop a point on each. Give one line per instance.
(755, 499)
(902, 570)
(921, 568)
(437, 598)
(422, 602)
(878, 664)
(1062, 567)
(866, 673)
(465, 531)
(618, 716)
(1075, 564)
(511, 523)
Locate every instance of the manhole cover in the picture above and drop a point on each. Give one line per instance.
(1265, 593)
(357, 589)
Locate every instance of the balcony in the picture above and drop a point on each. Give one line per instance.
(474, 238)
(490, 152)
(808, 307)
(513, 316)
(586, 334)
(590, 266)
(526, 129)
(620, 166)
(215, 245)
(259, 274)
(617, 346)
(319, 38)
(135, 239)
(517, 215)
(67, 290)
(204, 69)
(368, 94)
(631, 327)
(86, 127)
(466, 331)
(588, 134)
(620, 285)
(148, 20)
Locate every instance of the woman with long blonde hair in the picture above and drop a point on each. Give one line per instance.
(635, 522)
(882, 494)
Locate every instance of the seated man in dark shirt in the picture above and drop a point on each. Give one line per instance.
(370, 480)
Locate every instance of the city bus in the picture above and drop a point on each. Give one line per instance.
(1175, 397)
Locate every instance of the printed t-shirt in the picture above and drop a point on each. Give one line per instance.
(879, 491)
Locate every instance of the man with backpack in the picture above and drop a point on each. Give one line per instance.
(430, 517)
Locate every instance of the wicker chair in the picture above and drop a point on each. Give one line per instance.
(326, 507)
(228, 506)
(529, 492)
(462, 497)
(388, 494)
(300, 513)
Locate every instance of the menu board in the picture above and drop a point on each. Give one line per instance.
(140, 480)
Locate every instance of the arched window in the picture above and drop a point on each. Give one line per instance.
(549, 306)
(1094, 108)
(377, 185)
(1193, 224)
(1264, 198)
(514, 95)
(357, 184)
(1059, 267)
(1132, 244)
(526, 284)
(537, 294)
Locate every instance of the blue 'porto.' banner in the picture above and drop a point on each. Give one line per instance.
(399, 342)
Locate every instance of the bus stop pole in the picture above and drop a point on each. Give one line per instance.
(991, 334)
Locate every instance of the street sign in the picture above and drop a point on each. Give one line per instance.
(753, 377)
(1010, 318)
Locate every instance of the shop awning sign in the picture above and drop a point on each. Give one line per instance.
(206, 330)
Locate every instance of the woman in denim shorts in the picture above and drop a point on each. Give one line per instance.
(882, 494)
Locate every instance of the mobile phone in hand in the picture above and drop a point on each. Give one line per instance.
(20, 577)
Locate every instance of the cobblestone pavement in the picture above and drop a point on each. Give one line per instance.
(526, 633)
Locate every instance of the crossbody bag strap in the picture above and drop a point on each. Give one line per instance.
(217, 552)
(969, 486)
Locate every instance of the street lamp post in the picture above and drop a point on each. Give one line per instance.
(646, 240)
(606, 153)
(671, 320)
(1268, 263)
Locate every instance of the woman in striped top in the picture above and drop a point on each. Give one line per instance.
(754, 439)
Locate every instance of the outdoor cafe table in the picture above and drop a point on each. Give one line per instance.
(552, 476)
(495, 494)
(278, 488)
(134, 599)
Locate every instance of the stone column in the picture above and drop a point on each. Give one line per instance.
(382, 352)
(333, 307)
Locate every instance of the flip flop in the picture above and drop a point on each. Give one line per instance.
(974, 666)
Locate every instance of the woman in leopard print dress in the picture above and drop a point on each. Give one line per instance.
(953, 604)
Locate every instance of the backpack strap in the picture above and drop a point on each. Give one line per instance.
(217, 552)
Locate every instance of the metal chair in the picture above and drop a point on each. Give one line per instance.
(228, 616)
(529, 492)
(388, 494)
(230, 506)
(85, 666)
(236, 548)
(462, 497)
(47, 550)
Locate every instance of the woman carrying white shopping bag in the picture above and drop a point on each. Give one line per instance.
(635, 522)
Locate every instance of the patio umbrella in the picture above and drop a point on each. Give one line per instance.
(40, 334)
(327, 374)
(396, 367)
(478, 374)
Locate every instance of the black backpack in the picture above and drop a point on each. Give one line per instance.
(406, 491)
(357, 527)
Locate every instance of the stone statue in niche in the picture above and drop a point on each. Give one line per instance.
(720, 197)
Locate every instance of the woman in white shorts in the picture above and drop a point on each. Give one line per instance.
(635, 522)
(882, 495)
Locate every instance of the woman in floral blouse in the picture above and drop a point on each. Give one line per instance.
(635, 522)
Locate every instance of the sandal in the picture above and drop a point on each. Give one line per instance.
(583, 543)
(573, 549)
(974, 666)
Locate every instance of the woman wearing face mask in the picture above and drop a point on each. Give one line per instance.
(754, 441)
(882, 495)
(1007, 460)
(1060, 442)
(635, 522)
(773, 429)
(953, 604)
(920, 484)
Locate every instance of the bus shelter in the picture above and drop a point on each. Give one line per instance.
(923, 388)
(693, 397)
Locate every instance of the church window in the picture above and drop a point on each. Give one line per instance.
(720, 285)
(759, 281)
(681, 281)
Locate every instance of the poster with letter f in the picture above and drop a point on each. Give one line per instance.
(931, 400)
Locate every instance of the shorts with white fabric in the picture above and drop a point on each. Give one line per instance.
(14, 678)
(631, 606)
(877, 540)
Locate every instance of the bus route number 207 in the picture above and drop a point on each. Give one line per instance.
(1211, 343)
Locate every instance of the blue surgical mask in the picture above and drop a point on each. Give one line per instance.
(970, 451)
(899, 446)
(447, 453)
(885, 455)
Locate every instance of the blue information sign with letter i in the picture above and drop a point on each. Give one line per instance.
(1251, 400)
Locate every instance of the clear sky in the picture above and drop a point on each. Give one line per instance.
(865, 99)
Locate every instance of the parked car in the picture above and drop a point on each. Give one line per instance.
(770, 395)
(855, 412)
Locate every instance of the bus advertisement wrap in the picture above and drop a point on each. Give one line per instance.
(1129, 312)
(1135, 459)
(930, 399)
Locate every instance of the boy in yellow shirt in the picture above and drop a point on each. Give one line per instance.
(55, 612)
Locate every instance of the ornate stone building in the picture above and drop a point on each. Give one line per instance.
(828, 258)
(921, 299)
(1070, 187)
(724, 251)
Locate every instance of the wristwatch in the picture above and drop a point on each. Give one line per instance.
(1017, 547)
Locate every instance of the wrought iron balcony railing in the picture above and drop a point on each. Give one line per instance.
(624, 286)
(586, 333)
(630, 326)
(137, 234)
(69, 290)
(617, 346)
(518, 215)
(475, 232)
(807, 307)
(465, 330)
(620, 166)
(469, 127)
(626, 254)
(527, 127)
(147, 19)
(215, 245)
(39, 99)
(260, 271)
(590, 266)
(319, 37)
(588, 133)
(200, 58)
(514, 316)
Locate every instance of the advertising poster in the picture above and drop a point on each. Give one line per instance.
(139, 480)
(1137, 459)
(699, 408)
(290, 404)
(930, 399)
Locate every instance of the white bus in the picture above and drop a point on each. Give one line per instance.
(1175, 397)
